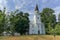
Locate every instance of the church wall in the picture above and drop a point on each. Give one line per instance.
(36, 27)
(33, 29)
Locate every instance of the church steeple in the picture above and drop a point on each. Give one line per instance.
(37, 9)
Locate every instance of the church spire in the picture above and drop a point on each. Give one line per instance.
(36, 9)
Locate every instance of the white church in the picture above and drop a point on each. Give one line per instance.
(36, 26)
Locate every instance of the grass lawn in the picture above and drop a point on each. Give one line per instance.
(30, 37)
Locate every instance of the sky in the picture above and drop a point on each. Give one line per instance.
(29, 5)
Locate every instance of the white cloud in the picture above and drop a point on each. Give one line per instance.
(57, 11)
(19, 3)
(23, 3)
(3, 3)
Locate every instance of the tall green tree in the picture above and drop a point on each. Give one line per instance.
(19, 22)
(2, 20)
(1, 23)
(12, 20)
(57, 29)
(22, 24)
(48, 18)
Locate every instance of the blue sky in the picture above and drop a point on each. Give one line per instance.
(29, 5)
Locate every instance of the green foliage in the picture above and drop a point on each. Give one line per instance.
(19, 22)
(22, 24)
(2, 20)
(48, 18)
(57, 29)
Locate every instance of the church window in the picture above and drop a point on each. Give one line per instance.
(38, 32)
(37, 17)
(32, 30)
(38, 26)
(42, 27)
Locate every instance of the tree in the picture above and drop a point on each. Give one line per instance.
(19, 22)
(48, 18)
(2, 20)
(7, 23)
(1, 23)
(57, 29)
(22, 24)
(12, 19)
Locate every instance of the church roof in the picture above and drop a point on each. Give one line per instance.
(36, 9)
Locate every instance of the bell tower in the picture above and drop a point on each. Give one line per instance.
(36, 9)
(37, 18)
(36, 26)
